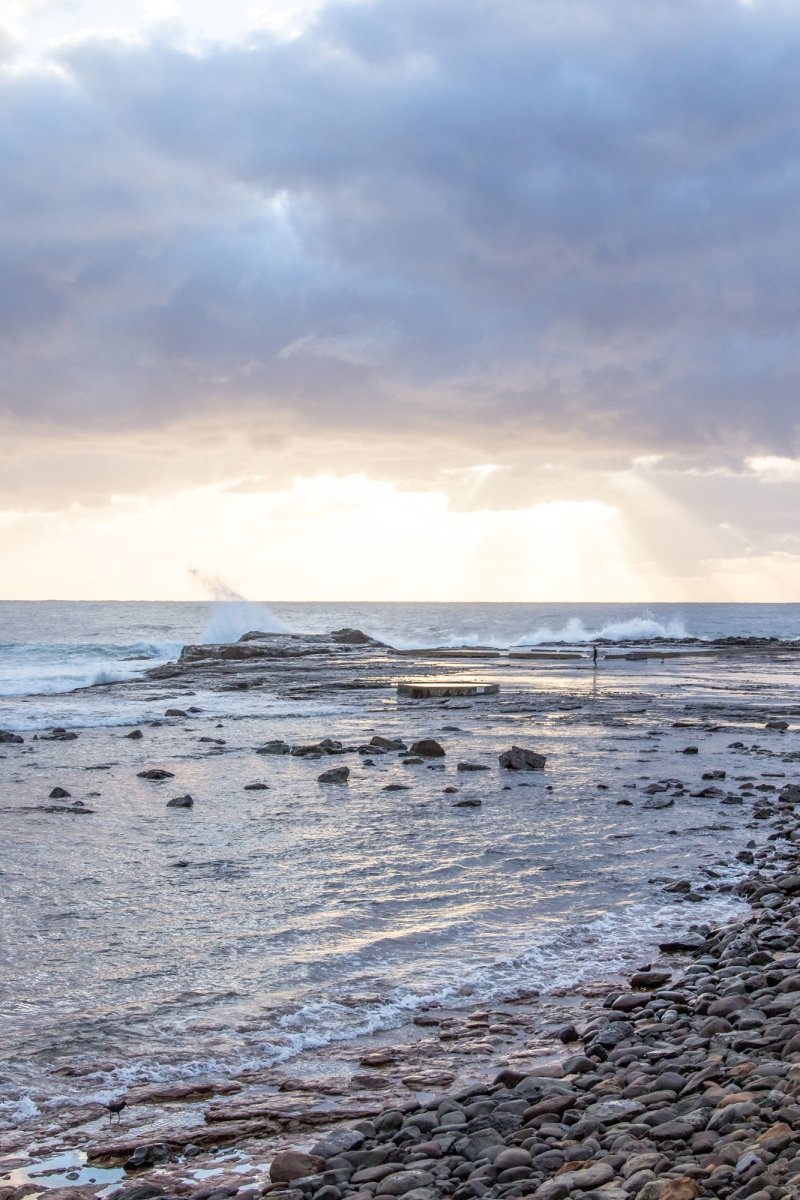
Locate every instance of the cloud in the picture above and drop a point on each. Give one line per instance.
(564, 225)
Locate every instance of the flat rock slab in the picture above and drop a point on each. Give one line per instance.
(432, 652)
(428, 691)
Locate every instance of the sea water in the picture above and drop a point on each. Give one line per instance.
(52, 647)
(142, 942)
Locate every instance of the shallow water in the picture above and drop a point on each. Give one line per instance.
(143, 942)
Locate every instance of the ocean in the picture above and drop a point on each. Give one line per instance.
(54, 647)
(141, 943)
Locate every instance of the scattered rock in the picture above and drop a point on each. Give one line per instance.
(382, 743)
(337, 775)
(156, 774)
(276, 746)
(59, 793)
(181, 802)
(428, 748)
(519, 759)
(10, 739)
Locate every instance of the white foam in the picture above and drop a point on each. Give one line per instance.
(14, 1112)
(566, 958)
(644, 628)
(231, 618)
(636, 629)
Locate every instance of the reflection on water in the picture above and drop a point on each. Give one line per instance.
(147, 942)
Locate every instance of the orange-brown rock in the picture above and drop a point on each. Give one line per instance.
(293, 1164)
(170, 1093)
(682, 1188)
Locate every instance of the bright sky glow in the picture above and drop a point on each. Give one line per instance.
(371, 299)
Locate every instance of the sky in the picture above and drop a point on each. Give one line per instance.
(400, 299)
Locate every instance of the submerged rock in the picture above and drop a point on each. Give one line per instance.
(155, 774)
(276, 746)
(181, 802)
(10, 739)
(337, 775)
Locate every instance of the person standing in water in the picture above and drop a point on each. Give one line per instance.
(594, 655)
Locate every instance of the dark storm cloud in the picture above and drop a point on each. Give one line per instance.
(562, 220)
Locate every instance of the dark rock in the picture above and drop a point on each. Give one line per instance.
(382, 743)
(337, 775)
(175, 712)
(156, 774)
(519, 759)
(428, 748)
(468, 766)
(353, 637)
(134, 735)
(318, 749)
(276, 746)
(659, 802)
(690, 750)
(181, 802)
(148, 1156)
(59, 793)
(137, 1191)
(567, 1034)
(10, 739)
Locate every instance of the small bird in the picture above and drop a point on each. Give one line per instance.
(116, 1107)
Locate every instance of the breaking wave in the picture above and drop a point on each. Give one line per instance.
(636, 629)
(231, 618)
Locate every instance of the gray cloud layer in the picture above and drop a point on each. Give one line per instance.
(566, 220)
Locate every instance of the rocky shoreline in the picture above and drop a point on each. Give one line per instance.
(681, 1085)
(681, 1088)
(676, 1088)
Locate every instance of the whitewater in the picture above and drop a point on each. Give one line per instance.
(54, 647)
